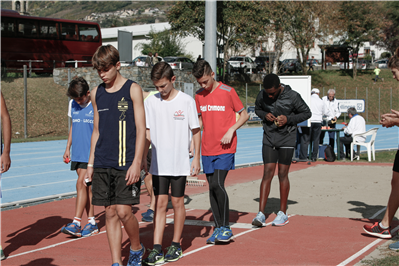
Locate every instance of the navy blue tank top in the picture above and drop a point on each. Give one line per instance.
(116, 143)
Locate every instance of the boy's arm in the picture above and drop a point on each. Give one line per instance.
(133, 173)
(94, 136)
(144, 165)
(67, 153)
(6, 128)
(195, 165)
(229, 134)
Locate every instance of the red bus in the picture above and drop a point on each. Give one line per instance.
(45, 43)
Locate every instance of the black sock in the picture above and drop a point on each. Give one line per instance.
(158, 248)
(176, 244)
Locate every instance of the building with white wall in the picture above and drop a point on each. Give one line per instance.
(140, 33)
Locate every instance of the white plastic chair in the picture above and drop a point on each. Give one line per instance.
(369, 145)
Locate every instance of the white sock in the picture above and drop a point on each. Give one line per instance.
(77, 220)
(383, 227)
(92, 220)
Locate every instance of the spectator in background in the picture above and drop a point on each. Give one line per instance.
(148, 60)
(333, 107)
(356, 125)
(312, 133)
(155, 59)
(140, 63)
(311, 64)
(377, 73)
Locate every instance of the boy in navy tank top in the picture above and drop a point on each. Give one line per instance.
(5, 161)
(116, 152)
(81, 112)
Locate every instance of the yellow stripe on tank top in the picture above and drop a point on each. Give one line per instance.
(120, 143)
(124, 143)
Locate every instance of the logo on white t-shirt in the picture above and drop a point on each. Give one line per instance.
(178, 115)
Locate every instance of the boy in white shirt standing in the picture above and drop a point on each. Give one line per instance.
(171, 117)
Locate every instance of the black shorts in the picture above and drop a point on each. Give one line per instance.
(109, 188)
(396, 163)
(280, 155)
(78, 165)
(142, 173)
(161, 185)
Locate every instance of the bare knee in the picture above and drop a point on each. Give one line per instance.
(110, 212)
(124, 214)
(178, 202)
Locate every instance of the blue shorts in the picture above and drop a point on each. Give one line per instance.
(220, 162)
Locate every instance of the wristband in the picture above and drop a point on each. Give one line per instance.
(89, 165)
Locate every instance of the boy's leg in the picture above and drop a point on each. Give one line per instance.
(150, 189)
(178, 185)
(218, 197)
(130, 224)
(265, 185)
(393, 202)
(114, 233)
(160, 218)
(81, 194)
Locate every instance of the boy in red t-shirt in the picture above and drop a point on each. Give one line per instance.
(217, 105)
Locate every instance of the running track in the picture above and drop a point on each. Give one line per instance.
(31, 236)
(37, 169)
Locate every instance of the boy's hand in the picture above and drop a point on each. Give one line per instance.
(270, 117)
(89, 175)
(144, 166)
(227, 137)
(388, 121)
(133, 174)
(281, 120)
(5, 162)
(67, 156)
(195, 167)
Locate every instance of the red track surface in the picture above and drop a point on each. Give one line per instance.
(304, 241)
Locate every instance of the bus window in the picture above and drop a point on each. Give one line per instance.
(48, 30)
(27, 28)
(88, 33)
(68, 31)
(7, 27)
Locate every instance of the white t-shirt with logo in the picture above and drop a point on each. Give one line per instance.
(170, 124)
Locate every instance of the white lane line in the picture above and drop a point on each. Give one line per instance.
(41, 173)
(378, 213)
(363, 250)
(68, 241)
(34, 165)
(38, 158)
(34, 186)
(30, 153)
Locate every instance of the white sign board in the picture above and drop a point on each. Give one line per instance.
(302, 85)
(359, 105)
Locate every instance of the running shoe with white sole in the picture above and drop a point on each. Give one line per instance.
(72, 229)
(281, 219)
(394, 246)
(154, 258)
(173, 254)
(225, 234)
(259, 220)
(376, 230)
(212, 238)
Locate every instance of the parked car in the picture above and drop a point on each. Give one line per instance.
(142, 59)
(179, 62)
(382, 63)
(242, 64)
(361, 64)
(292, 65)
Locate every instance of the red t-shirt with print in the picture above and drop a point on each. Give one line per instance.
(218, 111)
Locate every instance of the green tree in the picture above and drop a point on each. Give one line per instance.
(390, 35)
(362, 24)
(165, 43)
(236, 22)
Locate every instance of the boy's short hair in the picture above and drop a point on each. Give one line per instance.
(105, 56)
(161, 70)
(394, 60)
(77, 88)
(271, 81)
(201, 68)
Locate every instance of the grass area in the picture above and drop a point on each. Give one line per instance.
(391, 259)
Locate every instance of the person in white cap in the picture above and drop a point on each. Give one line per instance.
(333, 106)
(313, 133)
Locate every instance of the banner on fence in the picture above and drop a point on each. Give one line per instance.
(252, 115)
(359, 105)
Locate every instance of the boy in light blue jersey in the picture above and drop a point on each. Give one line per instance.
(81, 112)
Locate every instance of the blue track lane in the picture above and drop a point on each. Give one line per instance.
(37, 169)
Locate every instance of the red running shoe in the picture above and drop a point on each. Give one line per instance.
(376, 230)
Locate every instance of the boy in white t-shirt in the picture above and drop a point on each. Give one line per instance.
(171, 117)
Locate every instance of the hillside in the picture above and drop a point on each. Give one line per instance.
(78, 10)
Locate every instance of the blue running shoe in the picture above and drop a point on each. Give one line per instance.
(89, 230)
(149, 216)
(394, 246)
(211, 240)
(72, 229)
(173, 254)
(225, 234)
(259, 220)
(147, 212)
(154, 258)
(116, 264)
(280, 220)
(135, 257)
